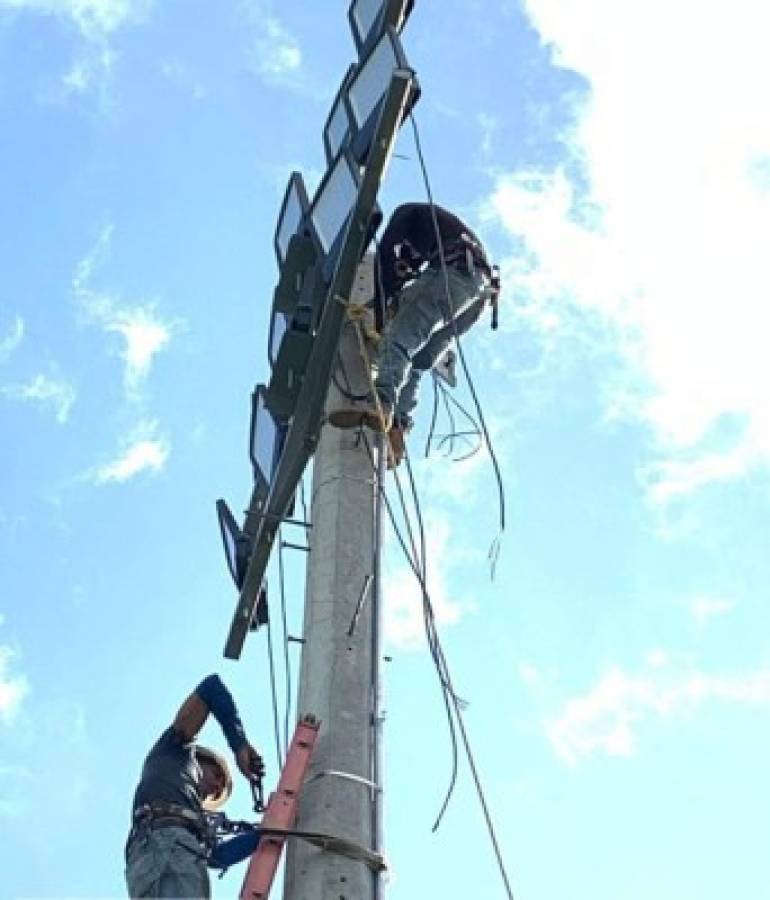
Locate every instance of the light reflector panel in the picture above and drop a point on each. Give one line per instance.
(293, 210)
(278, 326)
(333, 201)
(368, 85)
(363, 14)
(264, 439)
(236, 544)
(337, 128)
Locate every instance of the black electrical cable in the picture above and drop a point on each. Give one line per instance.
(455, 700)
(273, 693)
(303, 503)
(460, 353)
(466, 435)
(418, 514)
(430, 633)
(419, 556)
(433, 417)
(450, 696)
(452, 423)
(417, 563)
(441, 393)
(451, 700)
(473, 423)
(286, 660)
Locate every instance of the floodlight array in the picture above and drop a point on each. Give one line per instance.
(318, 243)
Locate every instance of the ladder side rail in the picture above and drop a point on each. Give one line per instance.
(281, 812)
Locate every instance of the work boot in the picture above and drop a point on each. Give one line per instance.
(368, 414)
(396, 445)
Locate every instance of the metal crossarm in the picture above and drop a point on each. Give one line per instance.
(281, 812)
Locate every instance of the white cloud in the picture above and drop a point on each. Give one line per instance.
(182, 75)
(657, 658)
(12, 340)
(667, 248)
(95, 23)
(404, 626)
(278, 54)
(530, 674)
(95, 19)
(605, 720)
(13, 687)
(93, 68)
(488, 126)
(667, 480)
(143, 451)
(144, 334)
(143, 331)
(704, 608)
(52, 393)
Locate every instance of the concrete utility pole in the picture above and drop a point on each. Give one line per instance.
(339, 680)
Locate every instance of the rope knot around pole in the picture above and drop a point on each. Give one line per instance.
(332, 844)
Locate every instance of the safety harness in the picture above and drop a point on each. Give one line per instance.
(164, 815)
(462, 253)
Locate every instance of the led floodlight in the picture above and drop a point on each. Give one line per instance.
(264, 439)
(367, 89)
(278, 325)
(337, 128)
(331, 206)
(293, 210)
(369, 17)
(300, 256)
(333, 201)
(289, 367)
(237, 545)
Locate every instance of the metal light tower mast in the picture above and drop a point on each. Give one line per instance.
(340, 676)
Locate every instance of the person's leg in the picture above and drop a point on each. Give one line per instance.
(192, 884)
(428, 356)
(145, 863)
(419, 314)
(167, 863)
(187, 874)
(424, 307)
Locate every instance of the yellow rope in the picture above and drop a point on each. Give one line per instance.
(356, 317)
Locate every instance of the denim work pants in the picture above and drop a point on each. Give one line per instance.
(167, 862)
(422, 330)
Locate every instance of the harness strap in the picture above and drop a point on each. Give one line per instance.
(157, 809)
(160, 815)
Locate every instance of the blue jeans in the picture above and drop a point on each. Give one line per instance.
(167, 862)
(421, 331)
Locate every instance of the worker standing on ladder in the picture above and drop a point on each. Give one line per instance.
(431, 291)
(171, 843)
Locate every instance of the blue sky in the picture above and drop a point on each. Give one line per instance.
(616, 159)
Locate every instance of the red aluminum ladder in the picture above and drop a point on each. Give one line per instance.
(281, 812)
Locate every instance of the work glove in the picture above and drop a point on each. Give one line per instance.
(250, 762)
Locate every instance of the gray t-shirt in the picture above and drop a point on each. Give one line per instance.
(170, 774)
